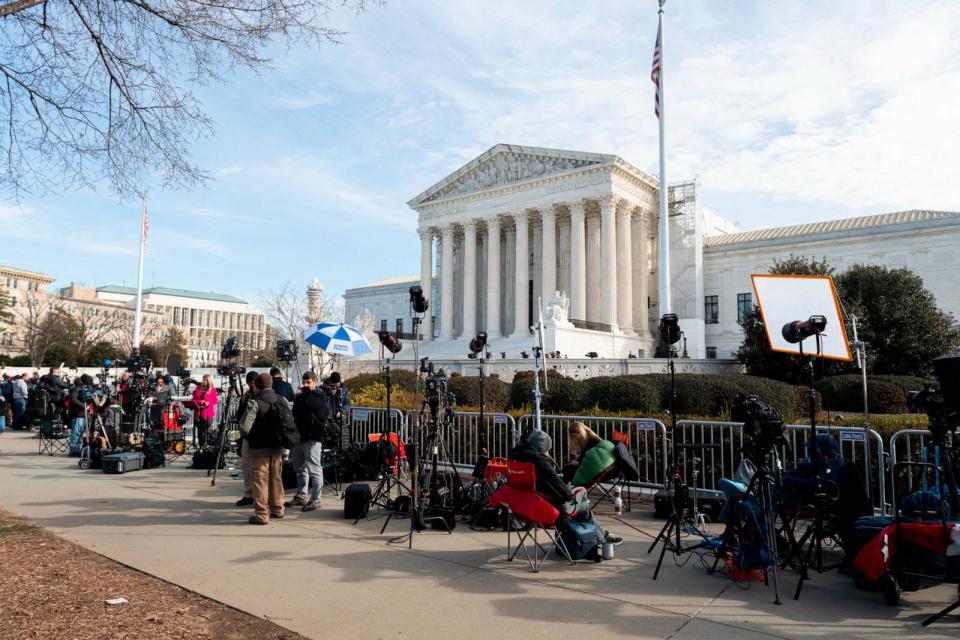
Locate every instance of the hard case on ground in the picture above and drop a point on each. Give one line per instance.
(122, 462)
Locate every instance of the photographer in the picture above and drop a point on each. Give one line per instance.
(54, 385)
(80, 394)
(311, 410)
(338, 395)
(204, 408)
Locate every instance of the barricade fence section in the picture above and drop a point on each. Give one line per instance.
(911, 446)
(725, 442)
(464, 436)
(645, 437)
(364, 421)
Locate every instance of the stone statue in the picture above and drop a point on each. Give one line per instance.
(558, 310)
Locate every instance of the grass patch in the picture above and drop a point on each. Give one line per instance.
(11, 526)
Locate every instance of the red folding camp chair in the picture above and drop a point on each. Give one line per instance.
(533, 513)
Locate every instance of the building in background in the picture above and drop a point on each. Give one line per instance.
(384, 305)
(205, 318)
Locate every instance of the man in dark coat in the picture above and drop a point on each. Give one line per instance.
(311, 410)
(280, 386)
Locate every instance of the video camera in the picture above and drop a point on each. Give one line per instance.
(436, 393)
(137, 364)
(940, 400)
(230, 351)
(761, 424)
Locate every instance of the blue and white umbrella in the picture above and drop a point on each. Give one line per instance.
(336, 338)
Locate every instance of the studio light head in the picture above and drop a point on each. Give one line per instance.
(592, 354)
(417, 301)
(794, 332)
(389, 342)
(478, 343)
(670, 328)
(524, 354)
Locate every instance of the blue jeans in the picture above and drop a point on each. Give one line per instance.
(77, 427)
(19, 408)
(3, 421)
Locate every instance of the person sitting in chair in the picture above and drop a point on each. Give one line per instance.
(580, 439)
(534, 449)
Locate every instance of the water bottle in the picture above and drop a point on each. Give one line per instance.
(617, 500)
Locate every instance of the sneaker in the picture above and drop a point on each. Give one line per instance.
(256, 520)
(276, 516)
(616, 540)
(312, 505)
(296, 502)
(245, 501)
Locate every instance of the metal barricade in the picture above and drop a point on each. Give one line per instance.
(465, 436)
(722, 461)
(853, 443)
(366, 420)
(647, 440)
(908, 445)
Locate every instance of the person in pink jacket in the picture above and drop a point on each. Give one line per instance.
(204, 408)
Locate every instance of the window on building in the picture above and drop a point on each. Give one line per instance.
(383, 325)
(744, 305)
(399, 326)
(711, 309)
(711, 353)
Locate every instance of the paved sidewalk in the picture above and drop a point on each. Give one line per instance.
(318, 575)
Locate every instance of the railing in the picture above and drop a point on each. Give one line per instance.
(465, 436)
(366, 420)
(722, 461)
(647, 440)
(911, 445)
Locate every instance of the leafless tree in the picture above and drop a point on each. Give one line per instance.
(289, 313)
(96, 324)
(38, 326)
(100, 91)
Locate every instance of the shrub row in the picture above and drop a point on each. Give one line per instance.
(885, 393)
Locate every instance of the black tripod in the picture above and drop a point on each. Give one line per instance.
(389, 477)
(233, 391)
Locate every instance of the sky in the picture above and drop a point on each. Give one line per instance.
(787, 112)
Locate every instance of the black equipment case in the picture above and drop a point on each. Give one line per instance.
(122, 462)
(709, 503)
(356, 501)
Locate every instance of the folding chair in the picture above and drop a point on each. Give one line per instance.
(533, 512)
(603, 487)
(53, 437)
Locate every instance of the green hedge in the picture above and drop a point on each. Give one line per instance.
(466, 390)
(697, 394)
(885, 394)
(400, 379)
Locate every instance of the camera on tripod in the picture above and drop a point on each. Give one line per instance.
(230, 351)
(940, 400)
(137, 364)
(761, 424)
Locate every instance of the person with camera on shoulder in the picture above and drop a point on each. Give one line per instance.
(311, 410)
(269, 428)
(80, 394)
(56, 389)
(338, 395)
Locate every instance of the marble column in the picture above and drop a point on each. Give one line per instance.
(608, 268)
(446, 282)
(493, 277)
(426, 279)
(624, 268)
(548, 266)
(641, 272)
(578, 263)
(521, 286)
(469, 278)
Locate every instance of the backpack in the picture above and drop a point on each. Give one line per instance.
(288, 435)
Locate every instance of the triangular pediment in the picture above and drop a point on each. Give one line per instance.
(505, 164)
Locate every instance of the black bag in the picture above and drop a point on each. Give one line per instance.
(288, 475)
(356, 501)
(153, 453)
(625, 462)
(204, 459)
(289, 434)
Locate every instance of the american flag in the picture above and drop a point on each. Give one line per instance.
(655, 74)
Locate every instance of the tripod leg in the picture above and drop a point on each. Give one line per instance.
(663, 551)
(662, 535)
(940, 614)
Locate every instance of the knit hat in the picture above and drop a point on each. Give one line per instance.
(264, 381)
(539, 441)
(334, 377)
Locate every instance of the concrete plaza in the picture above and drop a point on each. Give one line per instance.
(316, 574)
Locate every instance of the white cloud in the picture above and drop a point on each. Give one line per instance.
(11, 212)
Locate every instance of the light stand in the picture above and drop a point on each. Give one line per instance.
(479, 349)
(538, 364)
(388, 476)
(861, 349)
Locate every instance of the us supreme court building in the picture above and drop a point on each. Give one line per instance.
(522, 230)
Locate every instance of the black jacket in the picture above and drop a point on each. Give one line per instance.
(549, 483)
(54, 386)
(283, 389)
(311, 410)
(265, 432)
(77, 406)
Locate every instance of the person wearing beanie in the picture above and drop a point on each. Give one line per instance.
(535, 448)
(339, 396)
(261, 428)
(247, 499)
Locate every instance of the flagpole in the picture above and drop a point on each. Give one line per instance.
(664, 242)
(143, 242)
